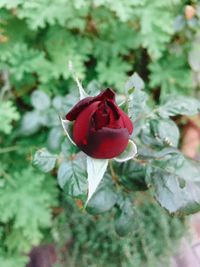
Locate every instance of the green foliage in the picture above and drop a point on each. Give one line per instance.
(179, 105)
(172, 74)
(106, 43)
(154, 234)
(155, 34)
(115, 72)
(45, 114)
(104, 198)
(13, 260)
(44, 160)
(29, 207)
(40, 13)
(64, 49)
(194, 58)
(125, 217)
(72, 176)
(8, 113)
(176, 183)
(39, 39)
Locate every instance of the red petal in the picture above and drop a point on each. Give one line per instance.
(73, 113)
(83, 123)
(127, 122)
(107, 94)
(106, 143)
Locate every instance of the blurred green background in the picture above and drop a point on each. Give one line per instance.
(106, 41)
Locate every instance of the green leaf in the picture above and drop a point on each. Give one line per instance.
(172, 74)
(64, 104)
(145, 152)
(122, 9)
(179, 23)
(124, 218)
(30, 123)
(155, 33)
(104, 198)
(194, 60)
(122, 37)
(72, 176)
(129, 153)
(8, 113)
(93, 88)
(176, 183)
(95, 170)
(57, 102)
(137, 105)
(40, 100)
(62, 47)
(15, 260)
(50, 118)
(138, 126)
(179, 105)
(167, 131)
(134, 81)
(44, 160)
(30, 196)
(149, 135)
(68, 149)
(132, 175)
(38, 14)
(54, 139)
(10, 4)
(113, 72)
(194, 54)
(189, 171)
(23, 60)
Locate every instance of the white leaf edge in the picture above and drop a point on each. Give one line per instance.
(65, 125)
(48, 155)
(129, 153)
(95, 169)
(134, 81)
(82, 92)
(121, 103)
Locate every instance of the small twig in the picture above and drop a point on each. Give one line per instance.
(8, 178)
(141, 161)
(82, 92)
(113, 174)
(8, 149)
(6, 87)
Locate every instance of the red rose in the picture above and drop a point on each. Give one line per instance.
(101, 129)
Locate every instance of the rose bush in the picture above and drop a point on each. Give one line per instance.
(101, 129)
(106, 43)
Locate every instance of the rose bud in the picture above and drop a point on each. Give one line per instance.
(101, 129)
(190, 12)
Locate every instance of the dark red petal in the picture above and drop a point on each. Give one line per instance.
(107, 94)
(83, 123)
(114, 122)
(127, 122)
(114, 108)
(101, 116)
(106, 143)
(73, 113)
